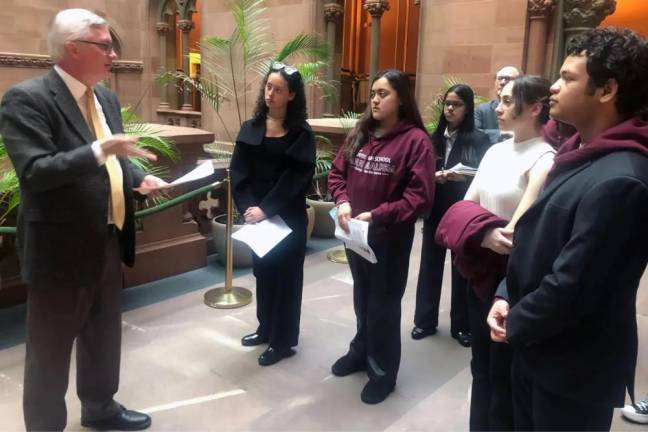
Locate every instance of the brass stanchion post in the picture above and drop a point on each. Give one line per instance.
(228, 296)
(338, 256)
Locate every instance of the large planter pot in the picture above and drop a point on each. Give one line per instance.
(242, 254)
(324, 224)
(310, 213)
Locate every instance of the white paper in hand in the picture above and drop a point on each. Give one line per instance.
(262, 237)
(357, 237)
(464, 170)
(203, 170)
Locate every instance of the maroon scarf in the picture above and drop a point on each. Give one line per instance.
(628, 135)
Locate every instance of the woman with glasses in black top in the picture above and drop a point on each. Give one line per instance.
(456, 141)
(271, 170)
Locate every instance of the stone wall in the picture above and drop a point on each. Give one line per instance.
(470, 40)
(23, 33)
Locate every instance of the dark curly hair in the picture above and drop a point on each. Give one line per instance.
(529, 90)
(407, 111)
(618, 54)
(296, 112)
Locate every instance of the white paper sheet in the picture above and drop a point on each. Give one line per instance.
(201, 171)
(262, 237)
(464, 170)
(357, 237)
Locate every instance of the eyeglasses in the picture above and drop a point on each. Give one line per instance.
(277, 66)
(106, 47)
(506, 78)
(453, 104)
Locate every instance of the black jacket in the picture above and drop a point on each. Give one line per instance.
(578, 255)
(469, 149)
(64, 192)
(275, 182)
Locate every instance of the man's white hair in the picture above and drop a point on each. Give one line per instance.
(70, 24)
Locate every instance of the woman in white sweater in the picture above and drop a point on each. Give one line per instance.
(508, 181)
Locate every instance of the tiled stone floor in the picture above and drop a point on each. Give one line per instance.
(183, 363)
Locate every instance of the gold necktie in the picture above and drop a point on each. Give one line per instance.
(115, 174)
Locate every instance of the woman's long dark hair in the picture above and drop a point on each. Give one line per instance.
(467, 96)
(296, 112)
(408, 111)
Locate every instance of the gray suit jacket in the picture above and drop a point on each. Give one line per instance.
(486, 120)
(64, 193)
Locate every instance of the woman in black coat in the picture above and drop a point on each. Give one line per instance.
(456, 141)
(272, 168)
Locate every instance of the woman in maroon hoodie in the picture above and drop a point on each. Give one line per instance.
(382, 175)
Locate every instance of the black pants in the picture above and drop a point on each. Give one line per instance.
(92, 316)
(491, 404)
(428, 289)
(279, 285)
(538, 409)
(377, 293)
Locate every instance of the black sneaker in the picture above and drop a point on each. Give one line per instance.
(638, 412)
(348, 364)
(376, 391)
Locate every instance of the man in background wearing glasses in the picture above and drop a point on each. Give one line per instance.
(485, 117)
(65, 138)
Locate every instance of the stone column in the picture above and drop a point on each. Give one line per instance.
(186, 26)
(163, 30)
(376, 8)
(332, 11)
(583, 15)
(539, 13)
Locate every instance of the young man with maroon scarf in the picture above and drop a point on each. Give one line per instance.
(567, 306)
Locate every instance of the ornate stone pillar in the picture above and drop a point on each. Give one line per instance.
(582, 15)
(376, 8)
(539, 13)
(332, 11)
(186, 26)
(163, 30)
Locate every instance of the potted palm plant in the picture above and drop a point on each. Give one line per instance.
(232, 69)
(320, 199)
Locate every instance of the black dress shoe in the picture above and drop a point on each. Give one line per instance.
(464, 339)
(420, 332)
(272, 355)
(253, 339)
(124, 420)
(376, 391)
(348, 364)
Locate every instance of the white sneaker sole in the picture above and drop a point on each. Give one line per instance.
(631, 414)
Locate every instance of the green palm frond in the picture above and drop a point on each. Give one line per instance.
(9, 193)
(306, 45)
(149, 138)
(348, 120)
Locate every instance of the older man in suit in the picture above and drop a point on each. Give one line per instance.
(581, 249)
(485, 116)
(65, 138)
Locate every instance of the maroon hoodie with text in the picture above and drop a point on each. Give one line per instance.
(391, 176)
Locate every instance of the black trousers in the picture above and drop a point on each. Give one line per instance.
(377, 293)
(92, 316)
(430, 279)
(538, 409)
(279, 285)
(491, 404)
